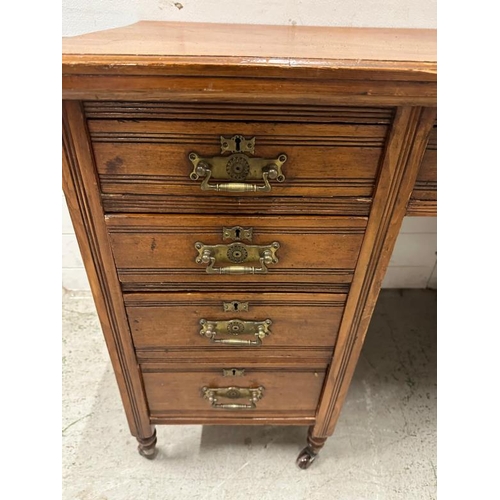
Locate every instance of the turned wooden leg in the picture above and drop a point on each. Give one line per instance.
(310, 452)
(147, 446)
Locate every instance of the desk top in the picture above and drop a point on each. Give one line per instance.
(256, 45)
(179, 61)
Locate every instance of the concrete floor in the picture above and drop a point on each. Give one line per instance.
(384, 446)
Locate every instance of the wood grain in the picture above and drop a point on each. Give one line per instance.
(423, 199)
(236, 88)
(151, 38)
(160, 249)
(172, 320)
(232, 419)
(153, 61)
(422, 208)
(292, 392)
(403, 156)
(354, 109)
(181, 358)
(80, 188)
(150, 157)
(253, 111)
(237, 205)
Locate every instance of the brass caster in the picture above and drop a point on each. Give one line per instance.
(306, 458)
(147, 447)
(149, 453)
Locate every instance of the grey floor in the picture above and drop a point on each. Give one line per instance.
(384, 446)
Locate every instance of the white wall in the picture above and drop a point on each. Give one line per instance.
(413, 264)
(82, 16)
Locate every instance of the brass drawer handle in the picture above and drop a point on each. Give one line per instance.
(213, 393)
(236, 253)
(211, 329)
(236, 168)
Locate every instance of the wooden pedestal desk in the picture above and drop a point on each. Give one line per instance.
(236, 192)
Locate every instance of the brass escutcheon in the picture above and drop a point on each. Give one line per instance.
(235, 306)
(237, 233)
(233, 372)
(237, 144)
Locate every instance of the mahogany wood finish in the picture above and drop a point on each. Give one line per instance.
(290, 392)
(404, 153)
(148, 157)
(423, 199)
(173, 319)
(87, 216)
(354, 110)
(312, 251)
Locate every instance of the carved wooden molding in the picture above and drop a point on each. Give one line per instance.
(403, 156)
(82, 194)
(236, 205)
(142, 286)
(422, 208)
(132, 110)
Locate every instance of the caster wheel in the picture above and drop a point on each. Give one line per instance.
(306, 458)
(150, 453)
(147, 447)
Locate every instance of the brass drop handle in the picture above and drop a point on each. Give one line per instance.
(204, 170)
(236, 253)
(260, 329)
(214, 393)
(236, 168)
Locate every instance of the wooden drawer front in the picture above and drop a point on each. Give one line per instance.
(423, 199)
(173, 320)
(152, 157)
(159, 251)
(286, 391)
(143, 162)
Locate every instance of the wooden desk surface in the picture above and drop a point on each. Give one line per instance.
(250, 45)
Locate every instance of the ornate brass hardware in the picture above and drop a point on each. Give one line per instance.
(237, 233)
(259, 329)
(236, 253)
(237, 144)
(233, 372)
(235, 306)
(237, 167)
(252, 394)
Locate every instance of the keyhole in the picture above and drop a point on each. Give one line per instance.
(235, 305)
(237, 140)
(234, 372)
(237, 233)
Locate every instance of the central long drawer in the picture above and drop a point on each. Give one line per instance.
(204, 252)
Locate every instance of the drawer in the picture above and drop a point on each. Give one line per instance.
(158, 252)
(248, 321)
(423, 199)
(285, 391)
(143, 164)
